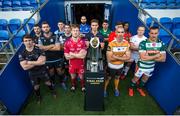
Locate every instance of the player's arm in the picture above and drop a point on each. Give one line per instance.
(162, 58)
(42, 47)
(145, 56)
(25, 66)
(81, 54)
(109, 55)
(55, 47)
(133, 46)
(125, 57)
(40, 61)
(67, 52)
(102, 45)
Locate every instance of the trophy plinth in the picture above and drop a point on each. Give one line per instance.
(94, 78)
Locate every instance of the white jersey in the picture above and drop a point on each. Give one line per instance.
(136, 40)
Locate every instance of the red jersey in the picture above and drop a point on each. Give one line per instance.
(75, 47)
(113, 35)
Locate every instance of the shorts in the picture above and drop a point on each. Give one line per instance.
(140, 72)
(115, 73)
(35, 77)
(56, 64)
(134, 57)
(76, 69)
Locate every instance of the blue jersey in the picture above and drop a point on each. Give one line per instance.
(84, 28)
(91, 35)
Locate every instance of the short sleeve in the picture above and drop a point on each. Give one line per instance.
(21, 57)
(40, 41)
(142, 46)
(163, 48)
(66, 48)
(109, 48)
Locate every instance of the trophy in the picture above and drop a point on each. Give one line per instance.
(94, 76)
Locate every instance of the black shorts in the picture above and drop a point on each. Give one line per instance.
(114, 73)
(39, 75)
(57, 64)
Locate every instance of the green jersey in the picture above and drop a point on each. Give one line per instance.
(152, 48)
(105, 33)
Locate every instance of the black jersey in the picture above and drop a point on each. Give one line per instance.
(32, 56)
(50, 55)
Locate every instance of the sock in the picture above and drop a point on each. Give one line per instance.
(141, 84)
(52, 79)
(82, 82)
(73, 81)
(126, 69)
(132, 85)
(61, 78)
(106, 84)
(116, 83)
(37, 92)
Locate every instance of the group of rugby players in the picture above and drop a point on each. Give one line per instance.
(50, 56)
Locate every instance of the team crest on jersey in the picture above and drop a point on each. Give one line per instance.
(51, 40)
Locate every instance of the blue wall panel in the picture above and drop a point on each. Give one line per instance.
(53, 12)
(15, 86)
(164, 85)
(123, 10)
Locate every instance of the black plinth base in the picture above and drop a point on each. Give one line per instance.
(94, 99)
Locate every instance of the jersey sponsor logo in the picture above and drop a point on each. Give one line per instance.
(119, 49)
(150, 45)
(51, 40)
(153, 51)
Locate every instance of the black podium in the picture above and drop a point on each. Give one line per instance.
(94, 79)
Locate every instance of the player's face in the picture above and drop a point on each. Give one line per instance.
(28, 42)
(94, 26)
(60, 25)
(37, 30)
(153, 34)
(126, 26)
(119, 33)
(141, 31)
(45, 28)
(67, 29)
(105, 25)
(75, 32)
(83, 20)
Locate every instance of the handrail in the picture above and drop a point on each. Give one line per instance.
(22, 26)
(145, 12)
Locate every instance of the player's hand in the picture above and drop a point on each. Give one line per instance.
(158, 55)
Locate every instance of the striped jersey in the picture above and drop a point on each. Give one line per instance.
(119, 49)
(152, 48)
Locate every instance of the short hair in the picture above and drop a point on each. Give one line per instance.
(105, 21)
(74, 26)
(36, 25)
(27, 36)
(44, 22)
(141, 26)
(83, 16)
(119, 23)
(154, 28)
(61, 21)
(94, 21)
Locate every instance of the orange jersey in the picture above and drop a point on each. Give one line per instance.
(118, 49)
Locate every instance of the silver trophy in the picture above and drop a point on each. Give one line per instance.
(94, 57)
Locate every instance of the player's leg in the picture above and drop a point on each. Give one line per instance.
(133, 84)
(107, 80)
(125, 70)
(60, 72)
(51, 72)
(49, 83)
(36, 86)
(72, 72)
(116, 81)
(143, 81)
(80, 72)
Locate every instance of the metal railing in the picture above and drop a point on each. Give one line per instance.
(8, 43)
(173, 38)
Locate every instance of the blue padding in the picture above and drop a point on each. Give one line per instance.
(4, 35)
(166, 22)
(176, 22)
(17, 40)
(15, 86)
(164, 85)
(164, 36)
(3, 24)
(176, 32)
(14, 24)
